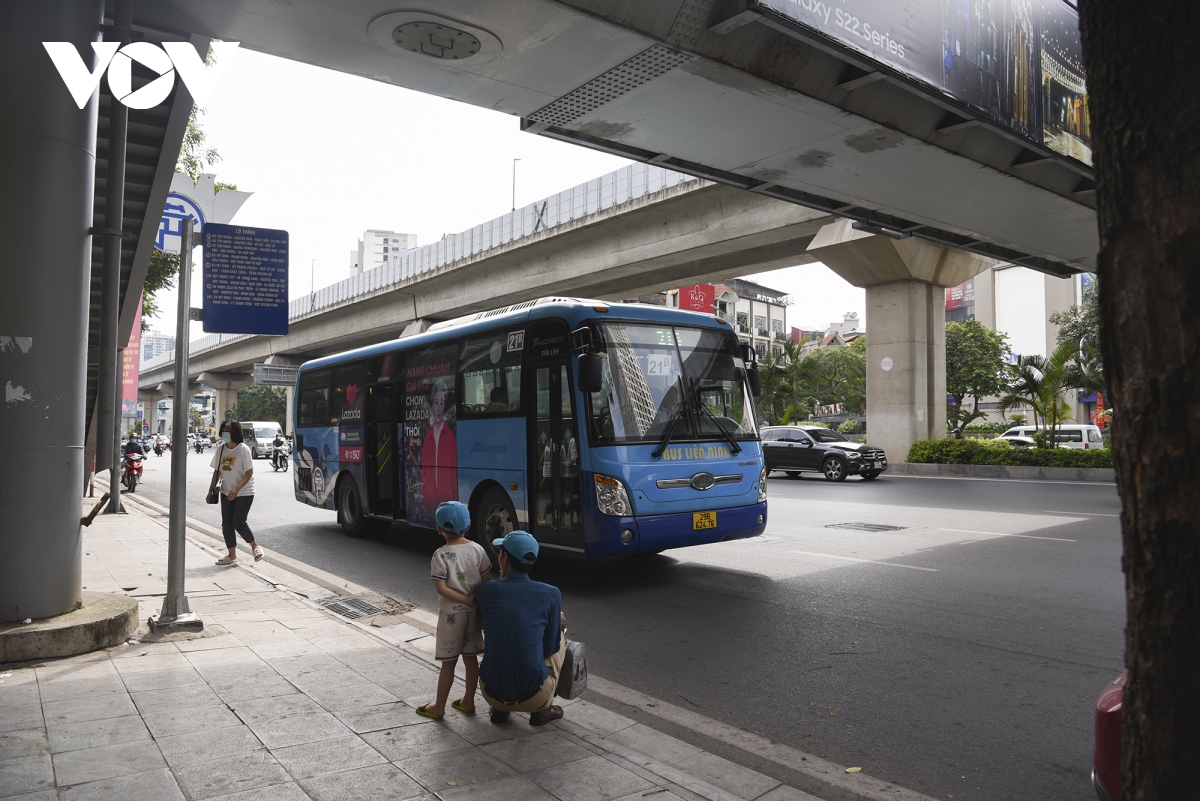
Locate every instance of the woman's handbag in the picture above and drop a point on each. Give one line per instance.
(572, 678)
(214, 495)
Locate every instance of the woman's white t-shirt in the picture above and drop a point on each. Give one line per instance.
(234, 463)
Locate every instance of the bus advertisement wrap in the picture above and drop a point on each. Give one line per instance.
(1019, 62)
(430, 423)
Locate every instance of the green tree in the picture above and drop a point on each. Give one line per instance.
(196, 418)
(1039, 383)
(841, 375)
(975, 367)
(1080, 325)
(261, 402)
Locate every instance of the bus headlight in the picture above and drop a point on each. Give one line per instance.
(611, 497)
(762, 486)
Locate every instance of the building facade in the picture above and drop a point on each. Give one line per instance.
(154, 345)
(756, 313)
(379, 248)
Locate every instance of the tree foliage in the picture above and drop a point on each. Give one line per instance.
(794, 384)
(1080, 325)
(261, 402)
(160, 276)
(1040, 382)
(975, 368)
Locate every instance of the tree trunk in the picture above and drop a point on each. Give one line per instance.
(1142, 72)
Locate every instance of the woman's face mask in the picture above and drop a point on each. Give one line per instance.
(226, 437)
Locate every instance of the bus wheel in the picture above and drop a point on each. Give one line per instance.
(492, 519)
(349, 509)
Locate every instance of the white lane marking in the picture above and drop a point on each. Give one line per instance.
(861, 784)
(998, 534)
(868, 561)
(1109, 484)
(1089, 514)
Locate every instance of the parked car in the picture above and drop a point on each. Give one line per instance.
(799, 449)
(1081, 437)
(1106, 749)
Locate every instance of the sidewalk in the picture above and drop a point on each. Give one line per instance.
(282, 699)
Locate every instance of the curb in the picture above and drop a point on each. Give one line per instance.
(1086, 475)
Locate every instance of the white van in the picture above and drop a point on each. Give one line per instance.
(1082, 437)
(259, 436)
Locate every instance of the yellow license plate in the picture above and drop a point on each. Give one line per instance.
(702, 520)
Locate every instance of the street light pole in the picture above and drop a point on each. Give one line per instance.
(514, 185)
(176, 613)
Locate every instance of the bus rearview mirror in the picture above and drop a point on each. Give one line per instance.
(755, 379)
(590, 377)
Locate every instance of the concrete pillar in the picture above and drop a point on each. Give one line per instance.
(905, 281)
(226, 386)
(49, 164)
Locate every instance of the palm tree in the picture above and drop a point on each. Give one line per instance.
(1038, 382)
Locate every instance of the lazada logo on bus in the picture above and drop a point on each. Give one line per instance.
(484, 447)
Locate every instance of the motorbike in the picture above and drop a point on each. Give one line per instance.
(131, 471)
(158, 449)
(279, 458)
(199, 446)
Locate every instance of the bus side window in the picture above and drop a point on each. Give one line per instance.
(314, 399)
(491, 375)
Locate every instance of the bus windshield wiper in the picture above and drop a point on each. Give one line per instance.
(680, 409)
(702, 409)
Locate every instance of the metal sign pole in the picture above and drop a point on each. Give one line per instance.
(176, 614)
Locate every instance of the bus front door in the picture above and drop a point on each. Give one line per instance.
(381, 449)
(554, 460)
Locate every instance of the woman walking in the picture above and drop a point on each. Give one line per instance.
(233, 466)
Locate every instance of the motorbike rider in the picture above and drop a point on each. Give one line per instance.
(277, 446)
(131, 447)
(158, 446)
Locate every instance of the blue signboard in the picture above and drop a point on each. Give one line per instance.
(245, 280)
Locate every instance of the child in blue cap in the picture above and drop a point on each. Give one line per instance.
(457, 568)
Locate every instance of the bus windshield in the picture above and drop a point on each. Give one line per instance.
(653, 374)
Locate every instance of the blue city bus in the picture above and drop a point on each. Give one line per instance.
(603, 429)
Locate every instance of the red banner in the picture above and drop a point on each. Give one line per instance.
(130, 362)
(700, 297)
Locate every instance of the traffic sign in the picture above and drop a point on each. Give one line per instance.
(245, 280)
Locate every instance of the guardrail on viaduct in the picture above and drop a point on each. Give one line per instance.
(600, 194)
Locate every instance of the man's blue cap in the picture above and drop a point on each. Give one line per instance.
(453, 516)
(520, 546)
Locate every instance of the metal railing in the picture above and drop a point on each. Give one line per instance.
(600, 194)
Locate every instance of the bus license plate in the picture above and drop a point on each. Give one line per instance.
(701, 520)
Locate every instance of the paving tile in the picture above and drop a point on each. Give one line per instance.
(95, 733)
(203, 746)
(31, 742)
(221, 656)
(516, 788)
(375, 782)
(297, 729)
(219, 642)
(599, 720)
(232, 692)
(729, 776)
(478, 729)
(13, 694)
(275, 650)
(17, 718)
(231, 775)
(141, 650)
(40, 795)
(306, 663)
(379, 717)
(276, 792)
(525, 754)
(185, 721)
(656, 745)
(591, 779)
(76, 710)
(151, 661)
(63, 689)
(463, 767)
(349, 696)
(319, 679)
(307, 760)
(414, 741)
(257, 710)
(657, 794)
(175, 698)
(25, 774)
(151, 785)
(94, 764)
(162, 679)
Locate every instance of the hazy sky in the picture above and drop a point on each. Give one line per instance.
(329, 155)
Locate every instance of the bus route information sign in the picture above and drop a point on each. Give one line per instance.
(245, 280)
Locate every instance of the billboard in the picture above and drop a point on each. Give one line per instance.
(961, 296)
(130, 361)
(700, 297)
(1019, 62)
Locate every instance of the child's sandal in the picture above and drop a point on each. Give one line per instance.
(462, 707)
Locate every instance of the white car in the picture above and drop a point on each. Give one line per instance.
(1070, 435)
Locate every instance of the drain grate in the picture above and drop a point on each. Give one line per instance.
(866, 526)
(353, 608)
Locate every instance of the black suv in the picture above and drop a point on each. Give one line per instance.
(797, 449)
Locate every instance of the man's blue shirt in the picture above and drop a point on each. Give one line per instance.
(521, 622)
